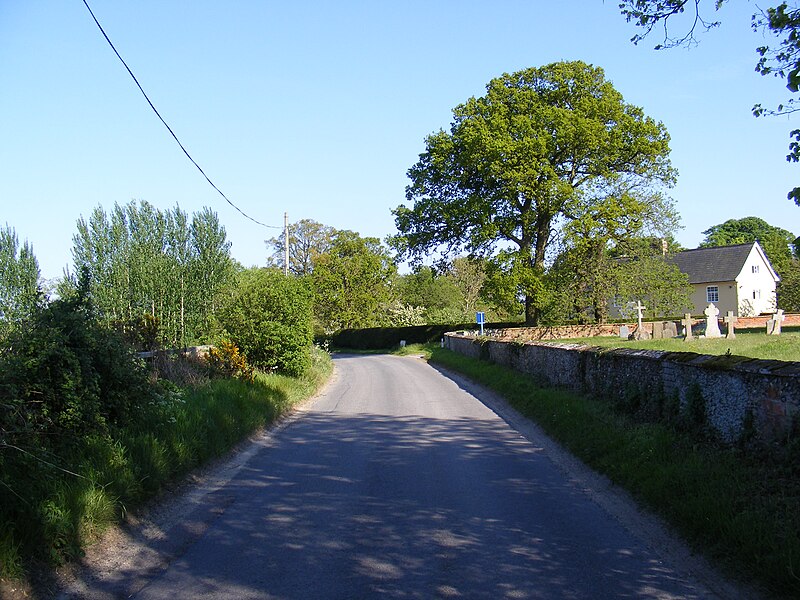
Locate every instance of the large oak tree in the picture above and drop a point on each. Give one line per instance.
(517, 163)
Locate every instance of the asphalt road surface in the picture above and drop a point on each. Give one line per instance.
(398, 483)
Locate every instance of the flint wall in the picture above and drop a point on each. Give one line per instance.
(741, 396)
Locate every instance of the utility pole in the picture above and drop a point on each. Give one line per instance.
(286, 244)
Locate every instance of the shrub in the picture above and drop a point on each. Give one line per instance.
(381, 338)
(225, 359)
(66, 381)
(269, 317)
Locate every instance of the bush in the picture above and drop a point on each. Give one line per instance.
(269, 317)
(66, 381)
(379, 338)
(226, 360)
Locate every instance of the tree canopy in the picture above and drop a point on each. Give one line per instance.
(351, 283)
(538, 149)
(308, 239)
(144, 261)
(775, 241)
(19, 279)
(782, 60)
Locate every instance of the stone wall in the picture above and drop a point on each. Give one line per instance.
(734, 390)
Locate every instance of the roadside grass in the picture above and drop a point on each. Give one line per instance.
(67, 501)
(749, 343)
(740, 508)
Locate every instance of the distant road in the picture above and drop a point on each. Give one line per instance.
(399, 483)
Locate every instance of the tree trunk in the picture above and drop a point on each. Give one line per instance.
(531, 312)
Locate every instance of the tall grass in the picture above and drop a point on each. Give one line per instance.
(63, 502)
(741, 508)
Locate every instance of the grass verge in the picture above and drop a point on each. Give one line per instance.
(63, 502)
(741, 509)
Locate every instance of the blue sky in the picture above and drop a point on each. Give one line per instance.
(319, 108)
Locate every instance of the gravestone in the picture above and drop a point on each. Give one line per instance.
(640, 333)
(687, 327)
(712, 326)
(658, 330)
(670, 329)
(624, 332)
(730, 319)
(774, 324)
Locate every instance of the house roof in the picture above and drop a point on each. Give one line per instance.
(720, 263)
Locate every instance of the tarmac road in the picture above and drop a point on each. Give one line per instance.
(399, 483)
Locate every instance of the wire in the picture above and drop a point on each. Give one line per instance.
(172, 133)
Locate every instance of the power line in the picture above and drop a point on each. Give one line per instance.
(172, 133)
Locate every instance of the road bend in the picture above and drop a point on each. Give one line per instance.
(397, 482)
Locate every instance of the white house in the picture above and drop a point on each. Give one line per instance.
(737, 278)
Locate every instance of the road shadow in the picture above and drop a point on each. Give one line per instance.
(367, 505)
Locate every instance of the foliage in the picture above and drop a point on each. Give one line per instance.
(775, 241)
(141, 260)
(469, 276)
(307, 241)
(406, 315)
(539, 147)
(789, 287)
(781, 21)
(352, 283)
(383, 338)
(269, 317)
(65, 381)
(657, 283)
(226, 359)
(48, 512)
(450, 292)
(19, 280)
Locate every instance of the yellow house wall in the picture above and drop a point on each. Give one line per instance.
(728, 299)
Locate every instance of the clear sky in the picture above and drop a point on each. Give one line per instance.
(319, 108)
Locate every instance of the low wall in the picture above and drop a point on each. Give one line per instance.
(741, 396)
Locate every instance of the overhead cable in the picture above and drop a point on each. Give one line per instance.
(172, 133)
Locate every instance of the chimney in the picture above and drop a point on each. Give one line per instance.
(664, 247)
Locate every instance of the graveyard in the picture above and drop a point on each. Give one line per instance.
(750, 343)
(772, 341)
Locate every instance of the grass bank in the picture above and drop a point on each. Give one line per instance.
(740, 508)
(63, 502)
(747, 343)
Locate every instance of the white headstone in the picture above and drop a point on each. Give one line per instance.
(774, 324)
(712, 325)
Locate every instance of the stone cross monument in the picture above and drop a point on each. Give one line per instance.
(687, 326)
(730, 319)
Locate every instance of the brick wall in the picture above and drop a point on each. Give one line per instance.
(731, 387)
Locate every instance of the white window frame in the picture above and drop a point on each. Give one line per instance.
(755, 269)
(712, 293)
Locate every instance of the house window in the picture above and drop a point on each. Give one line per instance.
(755, 268)
(756, 294)
(712, 293)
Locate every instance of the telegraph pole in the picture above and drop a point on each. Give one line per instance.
(286, 244)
